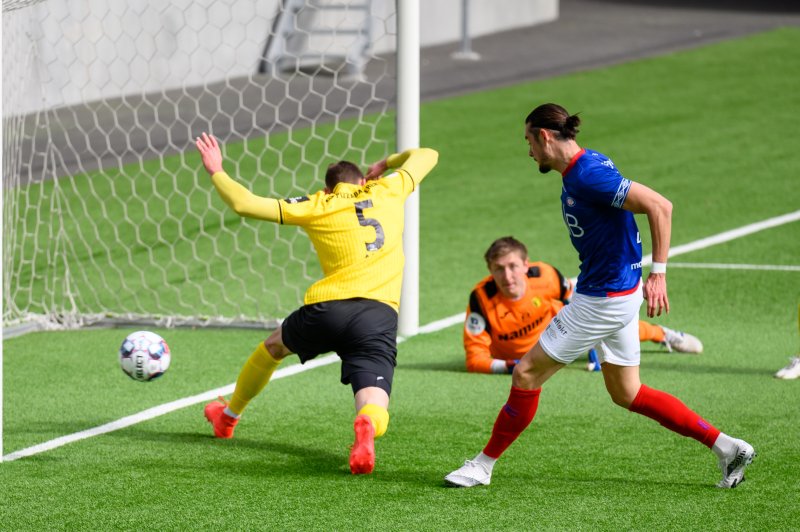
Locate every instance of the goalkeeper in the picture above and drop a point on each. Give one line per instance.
(510, 308)
(356, 227)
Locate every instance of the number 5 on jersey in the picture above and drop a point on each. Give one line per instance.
(376, 244)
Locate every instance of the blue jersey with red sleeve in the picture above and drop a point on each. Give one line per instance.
(604, 234)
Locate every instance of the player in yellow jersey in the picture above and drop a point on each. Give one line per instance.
(356, 227)
(509, 309)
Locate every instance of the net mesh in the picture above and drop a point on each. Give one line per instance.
(108, 215)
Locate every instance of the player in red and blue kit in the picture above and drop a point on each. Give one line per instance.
(598, 205)
(604, 234)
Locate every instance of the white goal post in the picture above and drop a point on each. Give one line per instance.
(107, 215)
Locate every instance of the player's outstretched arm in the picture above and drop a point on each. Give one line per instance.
(477, 348)
(209, 151)
(658, 209)
(480, 360)
(238, 198)
(416, 162)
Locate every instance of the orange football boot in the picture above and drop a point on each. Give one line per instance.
(222, 422)
(362, 454)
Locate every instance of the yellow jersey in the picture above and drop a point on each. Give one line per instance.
(356, 230)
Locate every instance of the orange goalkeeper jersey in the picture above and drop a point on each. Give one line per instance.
(499, 328)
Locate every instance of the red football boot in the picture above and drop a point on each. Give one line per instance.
(362, 454)
(222, 422)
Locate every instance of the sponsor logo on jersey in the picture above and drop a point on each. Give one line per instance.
(349, 195)
(636, 265)
(519, 333)
(475, 324)
(297, 199)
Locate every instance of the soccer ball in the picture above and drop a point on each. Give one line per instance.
(144, 356)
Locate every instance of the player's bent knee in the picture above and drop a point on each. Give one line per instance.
(622, 383)
(620, 401)
(533, 371)
(622, 397)
(522, 377)
(274, 345)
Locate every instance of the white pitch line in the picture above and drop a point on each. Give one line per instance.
(330, 359)
(210, 395)
(438, 325)
(728, 235)
(718, 266)
(160, 410)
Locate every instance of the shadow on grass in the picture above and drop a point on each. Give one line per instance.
(274, 458)
(253, 457)
(435, 479)
(557, 482)
(684, 366)
(455, 366)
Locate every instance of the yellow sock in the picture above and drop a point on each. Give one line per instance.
(379, 417)
(254, 376)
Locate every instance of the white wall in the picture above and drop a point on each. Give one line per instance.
(59, 52)
(441, 19)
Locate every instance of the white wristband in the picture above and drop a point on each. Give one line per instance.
(658, 267)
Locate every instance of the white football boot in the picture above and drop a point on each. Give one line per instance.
(732, 465)
(792, 371)
(470, 474)
(681, 342)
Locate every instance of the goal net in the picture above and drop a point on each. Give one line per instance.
(108, 215)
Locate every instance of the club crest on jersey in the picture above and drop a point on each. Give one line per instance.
(570, 201)
(476, 324)
(536, 301)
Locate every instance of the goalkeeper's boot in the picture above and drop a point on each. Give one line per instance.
(792, 371)
(362, 454)
(732, 465)
(222, 422)
(472, 473)
(681, 342)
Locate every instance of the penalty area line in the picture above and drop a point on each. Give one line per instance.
(718, 266)
(727, 236)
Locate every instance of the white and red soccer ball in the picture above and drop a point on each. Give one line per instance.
(144, 356)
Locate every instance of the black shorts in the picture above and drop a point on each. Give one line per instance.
(363, 332)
